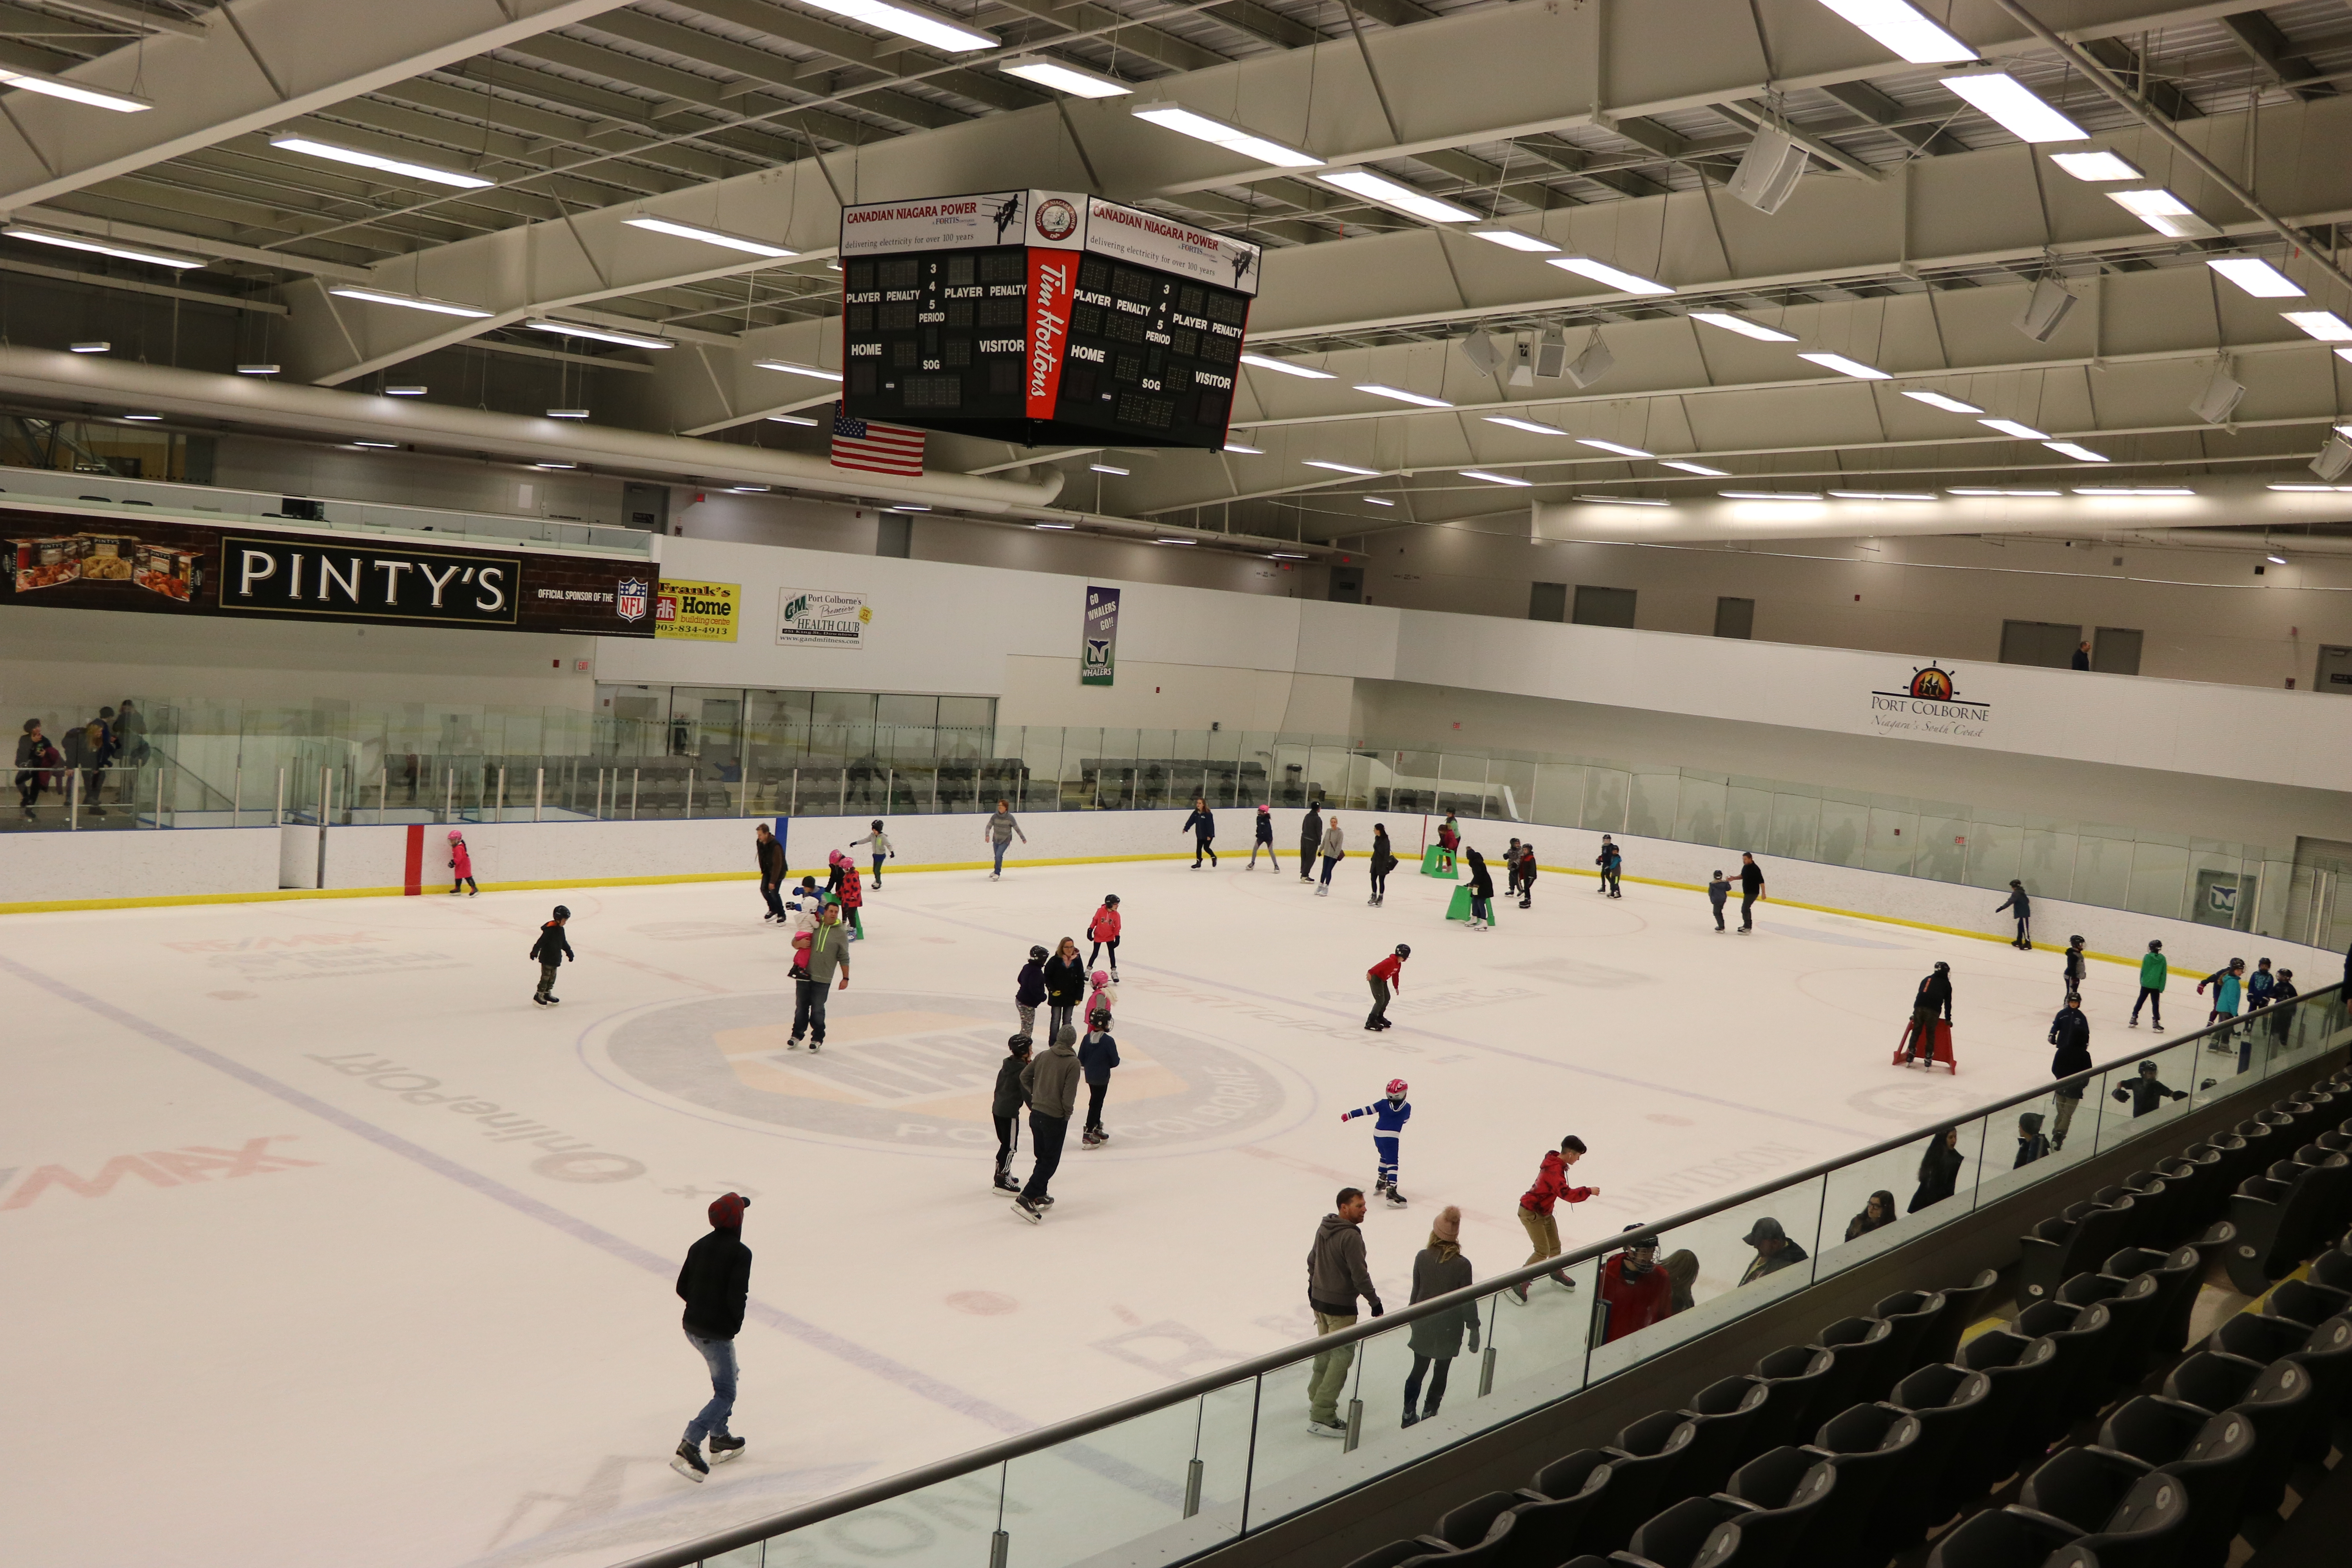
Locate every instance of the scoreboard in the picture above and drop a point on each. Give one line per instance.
(1042, 317)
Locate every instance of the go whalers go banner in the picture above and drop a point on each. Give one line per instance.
(1098, 642)
(697, 612)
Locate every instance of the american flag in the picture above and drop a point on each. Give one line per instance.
(874, 447)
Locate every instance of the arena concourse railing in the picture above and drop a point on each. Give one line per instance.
(1164, 1477)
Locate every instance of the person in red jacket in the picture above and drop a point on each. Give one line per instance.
(1535, 1208)
(461, 865)
(853, 897)
(1389, 972)
(1103, 932)
(1635, 1291)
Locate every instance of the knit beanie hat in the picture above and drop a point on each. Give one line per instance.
(727, 1213)
(1447, 1227)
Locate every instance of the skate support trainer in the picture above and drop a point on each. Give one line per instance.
(1459, 907)
(1940, 1049)
(1439, 861)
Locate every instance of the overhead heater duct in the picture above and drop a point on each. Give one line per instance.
(1769, 171)
(2219, 398)
(108, 387)
(1594, 362)
(2045, 308)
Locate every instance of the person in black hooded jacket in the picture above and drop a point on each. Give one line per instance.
(714, 1282)
(1004, 1108)
(2070, 1033)
(1940, 1169)
(1310, 842)
(1481, 893)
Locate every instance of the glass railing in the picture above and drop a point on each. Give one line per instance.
(1163, 1477)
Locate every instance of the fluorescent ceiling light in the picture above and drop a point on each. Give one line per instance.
(1903, 30)
(1623, 501)
(1949, 404)
(1251, 451)
(1285, 555)
(142, 418)
(1176, 541)
(1879, 495)
(1529, 426)
(1601, 272)
(1687, 466)
(256, 370)
(818, 372)
(2012, 428)
(906, 505)
(2188, 227)
(2096, 166)
(1512, 240)
(2075, 450)
(923, 26)
(1376, 500)
(1339, 468)
(1397, 195)
(425, 171)
(1844, 366)
(103, 247)
(1401, 394)
(1743, 326)
(1494, 478)
(2256, 277)
(2133, 490)
(408, 301)
(392, 446)
(789, 419)
(1985, 490)
(1106, 468)
(2311, 489)
(708, 236)
(407, 391)
(1768, 495)
(91, 348)
(2345, 354)
(2325, 325)
(2165, 213)
(2015, 106)
(1066, 79)
(1617, 446)
(1231, 138)
(73, 92)
(1286, 366)
(2274, 560)
(567, 413)
(747, 490)
(1064, 526)
(599, 334)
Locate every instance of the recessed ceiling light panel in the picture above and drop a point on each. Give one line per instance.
(2016, 107)
(1613, 278)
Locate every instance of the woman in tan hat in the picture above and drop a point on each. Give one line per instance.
(1436, 1340)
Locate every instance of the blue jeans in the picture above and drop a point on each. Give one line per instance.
(710, 1421)
(1329, 862)
(1001, 848)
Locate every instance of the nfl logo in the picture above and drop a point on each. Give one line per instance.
(629, 599)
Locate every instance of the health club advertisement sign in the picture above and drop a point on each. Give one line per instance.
(171, 566)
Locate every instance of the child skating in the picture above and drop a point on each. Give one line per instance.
(1004, 1108)
(1389, 1117)
(550, 951)
(853, 900)
(882, 848)
(1029, 990)
(1103, 932)
(461, 865)
(1265, 839)
(1103, 995)
(1202, 826)
(1388, 974)
(1097, 1054)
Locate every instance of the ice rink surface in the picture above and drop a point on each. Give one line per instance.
(324, 1245)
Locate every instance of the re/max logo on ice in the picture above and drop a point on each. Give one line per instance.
(294, 577)
(183, 1166)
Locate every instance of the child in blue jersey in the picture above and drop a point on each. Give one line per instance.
(1389, 1117)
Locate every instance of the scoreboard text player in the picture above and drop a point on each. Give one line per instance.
(1042, 317)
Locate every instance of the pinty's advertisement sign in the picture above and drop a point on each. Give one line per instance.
(1929, 707)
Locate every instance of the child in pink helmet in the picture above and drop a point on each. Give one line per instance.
(461, 866)
(1104, 997)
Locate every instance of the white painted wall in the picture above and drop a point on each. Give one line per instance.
(51, 867)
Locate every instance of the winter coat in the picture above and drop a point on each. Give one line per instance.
(1527, 867)
(2153, 970)
(1482, 881)
(1551, 1184)
(1051, 1082)
(2030, 1149)
(1935, 994)
(2225, 990)
(1718, 891)
(2070, 1033)
(770, 856)
(1448, 835)
(1066, 980)
(1202, 823)
(1939, 1172)
(1610, 855)
(1266, 827)
(1105, 997)
(853, 890)
(1310, 838)
(1104, 927)
(1634, 1300)
(461, 861)
(1336, 1272)
(2146, 1093)
(1383, 858)
(1335, 842)
(2016, 901)
(1097, 1054)
(828, 950)
(1009, 1096)
(1029, 990)
(1789, 1254)
(552, 947)
(2076, 965)
(2258, 985)
(1389, 1116)
(714, 1282)
(1437, 1271)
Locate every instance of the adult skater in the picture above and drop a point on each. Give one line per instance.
(1527, 877)
(1931, 1002)
(2154, 970)
(1751, 891)
(2069, 1032)
(1097, 1054)
(882, 848)
(1389, 1117)
(1066, 987)
(1384, 860)
(1103, 932)
(1611, 861)
(550, 950)
(999, 832)
(461, 866)
(1310, 839)
(1336, 1276)
(1029, 989)
(1264, 839)
(1634, 1292)
(1774, 1250)
(714, 1283)
(1335, 849)
(1051, 1082)
(1202, 826)
(2019, 905)
(2145, 1092)
(2078, 966)
(1481, 893)
(1718, 892)
(1387, 974)
(1004, 1108)
(1438, 1269)
(828, 952)
(770, 858)
(1535, 1208)
(1940, 1169)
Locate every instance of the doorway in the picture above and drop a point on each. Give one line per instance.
(2049, 644)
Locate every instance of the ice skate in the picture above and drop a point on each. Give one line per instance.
(1088, 1138)
(1323, 890)
(1027, 1210)
(1046, 1202)
(1410, 1416)
(1005, 1184)
(1396, 1199)
(1325, 1429)
(794, 1044)
(550, 998)
(815, 1046)
(725, 1448)
(687, 1462)
(540, 1000)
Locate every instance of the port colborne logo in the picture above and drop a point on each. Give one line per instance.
(917, 1070)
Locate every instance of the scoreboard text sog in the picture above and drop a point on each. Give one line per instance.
(1042, 317)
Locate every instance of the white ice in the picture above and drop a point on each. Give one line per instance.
(371, 1328)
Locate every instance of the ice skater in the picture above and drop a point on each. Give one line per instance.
(1931, 1001)
(998, 832)
(1335, 849)
(1202, 826)
(1389, 1117)
(714, 1283)
(882, 848)
(1066, 987)
(2069, 1032)
(1104, 994)
(770, 858)
(1511, 858)
(1611, 861)
(1051, 1083)
(2228, 985)
(1387, 974)
(1097, 1054)
(1103, 932)
(1265, 839)
(828, 952)
(1384, 860)
(1310, 839)
(1004, 1108)
(1438, 1269)
(2153, 971)
(853, 899)
(2077, 967)
(1481, 893)
(1751, 891)
(550, 951)
(1029, 990)
(461, 866)
(1536, 1206)
(1718, 891)
(1526, 875)
(1449, 843)
(2022, 907)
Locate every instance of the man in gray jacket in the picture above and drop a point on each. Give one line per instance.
(1051, 1082)
(1336, 1276)
(828, 951)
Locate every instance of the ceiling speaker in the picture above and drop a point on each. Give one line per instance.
(1479, 350)
(2219, 397)
(1523, 360)
(2334, 459)
(1769, 171)
(2044, 309)
(1552, 353)
(1594, 362)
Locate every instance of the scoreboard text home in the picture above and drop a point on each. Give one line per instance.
(1042, 316)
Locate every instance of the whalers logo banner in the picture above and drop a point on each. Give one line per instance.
(1099, 638)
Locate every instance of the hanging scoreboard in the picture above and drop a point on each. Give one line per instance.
(1042, 317)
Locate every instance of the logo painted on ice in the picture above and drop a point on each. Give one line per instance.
(906, 1069)
(629, 597)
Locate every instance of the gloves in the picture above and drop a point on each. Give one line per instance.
(1377, 1309)
(1473, 1339)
